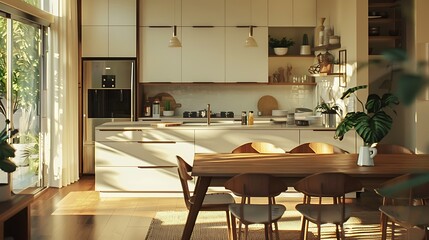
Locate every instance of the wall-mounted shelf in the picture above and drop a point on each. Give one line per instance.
(326, 47)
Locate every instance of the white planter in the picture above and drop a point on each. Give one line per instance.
(5, 192)
(280, 51)
(366, 155)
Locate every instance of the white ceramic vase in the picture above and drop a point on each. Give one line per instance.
(280, 51)
(366, 155)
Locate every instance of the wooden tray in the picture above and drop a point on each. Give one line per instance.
(267, 104)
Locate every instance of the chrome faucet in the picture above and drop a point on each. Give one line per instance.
(208, 114)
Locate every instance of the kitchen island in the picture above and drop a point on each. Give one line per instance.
(139, 158)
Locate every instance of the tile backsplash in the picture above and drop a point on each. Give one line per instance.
(235, 98)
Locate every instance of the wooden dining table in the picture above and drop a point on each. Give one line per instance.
(215, 169)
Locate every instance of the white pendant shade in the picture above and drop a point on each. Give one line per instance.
(250, 41)
(174, 41)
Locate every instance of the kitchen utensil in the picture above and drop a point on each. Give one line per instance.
(168, 113)
(279, 113)
(267, 104)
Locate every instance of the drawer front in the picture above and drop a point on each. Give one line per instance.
(145, 154)
(144, 135)
(224, 141)
(118, 179)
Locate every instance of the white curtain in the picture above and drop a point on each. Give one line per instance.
(61, 96)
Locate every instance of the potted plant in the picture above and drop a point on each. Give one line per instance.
(372, 124)
(305, 47)
(329, 114)
(280, 46)
(6, 152)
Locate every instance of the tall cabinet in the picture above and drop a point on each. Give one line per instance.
(109, 28)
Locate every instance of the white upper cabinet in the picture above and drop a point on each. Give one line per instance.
(292, 13)
(203, 54)
(203, 12)
(246, 12)
(95, 12)
(160, 13)
(109, 28)
(122, 13)
(159, 63)
(246, 64)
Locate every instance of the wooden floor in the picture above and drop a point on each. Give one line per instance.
(112, 219)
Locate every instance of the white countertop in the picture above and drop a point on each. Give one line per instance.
(216, 124)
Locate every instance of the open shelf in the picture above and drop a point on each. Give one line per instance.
(231, 83)
(327, 47)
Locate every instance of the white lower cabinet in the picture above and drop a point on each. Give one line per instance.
(224, 141)
(141, 160)
(327, 136)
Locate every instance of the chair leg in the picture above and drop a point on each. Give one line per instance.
(233, 231)
(393, 231)
(246, 231)
(383, 225)
(343, 235)
(318, 231)
(228, 223)
(303, 229)
(277, 230)
(337, 233)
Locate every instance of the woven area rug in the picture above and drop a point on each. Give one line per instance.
(212, 225)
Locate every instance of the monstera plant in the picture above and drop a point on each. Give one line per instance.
(373, 123)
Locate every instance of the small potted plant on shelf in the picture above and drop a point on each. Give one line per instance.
(280, 46)
(329, 114)
(305, 47)
(6, 152)
(372, 124)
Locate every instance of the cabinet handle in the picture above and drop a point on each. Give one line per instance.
(160, 26)
(121, 130)
(168, 142)
(151, 167)
(245, 26)
(203, 26)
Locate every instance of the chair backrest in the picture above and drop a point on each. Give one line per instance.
(335, 184)
(392, 148)
(255, 185)
(258, 147)
(318, 148)
(183, 168)
(410, 186)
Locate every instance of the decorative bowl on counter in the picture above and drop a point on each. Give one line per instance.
(168, 113)
(279, 113)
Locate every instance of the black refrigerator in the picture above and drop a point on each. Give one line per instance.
(108, 96)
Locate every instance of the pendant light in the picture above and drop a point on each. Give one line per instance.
(250, 41)
(174, 41)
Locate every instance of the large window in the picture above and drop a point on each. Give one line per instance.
(20, 96)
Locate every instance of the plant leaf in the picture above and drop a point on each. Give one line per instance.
(373, 103)
(7, 165)
(349, 91)
(395, 55)
(409, 86)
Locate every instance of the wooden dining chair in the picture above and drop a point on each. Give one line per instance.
(212, 201)
(258, 147)
(392, 149)
(318, 148)
(325, 185)
(402, 202)
(249, 185)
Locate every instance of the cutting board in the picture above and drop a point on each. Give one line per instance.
(164, 97)
(267, 104)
